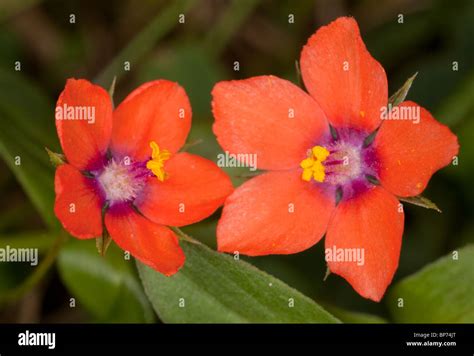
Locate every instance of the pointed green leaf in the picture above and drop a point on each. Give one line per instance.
(401, 93)
(421, 201)
(56, 159)
(102, 243)
(112, 88)
(442, 292)
(214, 287)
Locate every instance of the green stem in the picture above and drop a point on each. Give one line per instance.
(190, 144)
(33, 279)
(183, 236)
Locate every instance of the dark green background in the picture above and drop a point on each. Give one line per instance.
(197, 54)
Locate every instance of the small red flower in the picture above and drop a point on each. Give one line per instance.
(126, 163)
(322, 182)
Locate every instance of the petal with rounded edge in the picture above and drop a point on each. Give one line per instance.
(84, 123)
(274, 213)
(193, 189)
(364, 239)
(411, 151)
(154, 245)
(341, 75)
(269, 117)
(156, 111)
(78, 203)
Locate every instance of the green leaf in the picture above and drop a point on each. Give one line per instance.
(421, 201)
(106, 286)
(102, 243)
(56, 159)
(216, 288)
(401, 93)
(112, 88)
(442, 292)
(26, 126)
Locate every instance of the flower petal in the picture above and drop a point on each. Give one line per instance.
(194, 188)
(410, 152)
(269, 117)
(78, 203)
(273, 213)
(346, 81)
(156, 111)
(84, 139)
(372, 223)
(155, 245)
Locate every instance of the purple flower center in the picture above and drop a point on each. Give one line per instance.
(121, 181)
(345, 164)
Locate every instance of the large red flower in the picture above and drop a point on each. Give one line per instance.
(323, 180)
(124, 170)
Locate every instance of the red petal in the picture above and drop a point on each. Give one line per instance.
(78, 203)
(409, 152)
(255, 116)
(84, 143)
(194, 188)
(273, 213)
(155, 245)
(349, 96)
(371, 222)
(156, 111)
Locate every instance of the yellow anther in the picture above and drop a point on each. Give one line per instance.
(307, 163)
(320, 153)
(307, 174)
(313, 166)
(318, 172)
(157, 162)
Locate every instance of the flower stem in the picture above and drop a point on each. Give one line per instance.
(184, 236)
(190, 144)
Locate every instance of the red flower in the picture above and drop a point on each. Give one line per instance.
(321, 182)
(126, 162)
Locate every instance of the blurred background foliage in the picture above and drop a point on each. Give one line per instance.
(197, 53)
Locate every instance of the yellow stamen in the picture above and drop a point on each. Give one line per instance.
(320, 153)
(307, 162)
(307, 174)
(157, 162)
(313, 166)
